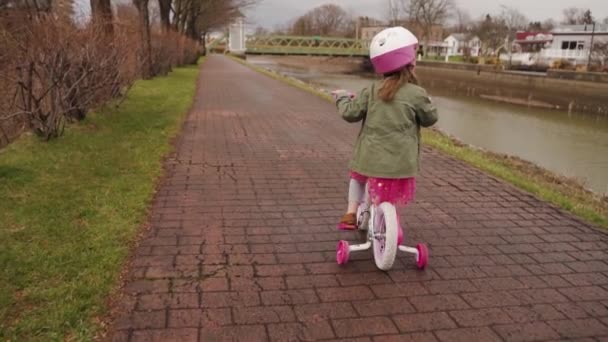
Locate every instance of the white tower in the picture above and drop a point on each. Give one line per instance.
(236, 36)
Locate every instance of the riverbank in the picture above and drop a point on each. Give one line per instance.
(72, 207)
(565, 193)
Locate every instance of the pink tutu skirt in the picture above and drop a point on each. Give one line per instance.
(399, 191)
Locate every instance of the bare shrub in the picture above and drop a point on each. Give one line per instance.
(53, 72)
(59, 72)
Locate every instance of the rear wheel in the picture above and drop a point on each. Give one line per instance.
(385, 236)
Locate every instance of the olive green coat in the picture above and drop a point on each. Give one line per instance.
(388, 145)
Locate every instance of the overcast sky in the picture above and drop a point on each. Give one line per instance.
(270, 13)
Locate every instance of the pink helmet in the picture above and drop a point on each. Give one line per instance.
(392, 49)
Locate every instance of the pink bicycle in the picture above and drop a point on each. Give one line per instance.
(384, 235)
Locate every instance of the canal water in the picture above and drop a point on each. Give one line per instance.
(573, 145)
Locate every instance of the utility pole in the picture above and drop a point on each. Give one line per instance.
(591, 47)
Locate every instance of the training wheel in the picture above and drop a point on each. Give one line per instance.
(342, 252)
(423, 256)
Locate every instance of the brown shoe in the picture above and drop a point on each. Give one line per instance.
(348, 222)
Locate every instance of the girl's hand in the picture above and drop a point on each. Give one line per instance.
(340, 93)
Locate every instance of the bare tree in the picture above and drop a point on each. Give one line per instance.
(463, 20)
(428, 13)
(393, 11)
(303, 26)
(588, 17)
(600, 53)
(144, 27)
(329, 19)
(548, 24)
(606, 20)
(513, 18)
(577, 16)
(491, 31)
(261, 31)
(572, 15)
(164, 11)
(101, 10)
(325, 20)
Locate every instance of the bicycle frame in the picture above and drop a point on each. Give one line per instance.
(369, 223)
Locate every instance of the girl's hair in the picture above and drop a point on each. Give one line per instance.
(393, 82)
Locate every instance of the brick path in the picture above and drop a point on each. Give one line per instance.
(242, 240)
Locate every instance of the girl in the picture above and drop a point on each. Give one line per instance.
(387, 151)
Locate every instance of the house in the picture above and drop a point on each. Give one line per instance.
(526, 41)
(461, 44)
(567, 42)
(573, 42)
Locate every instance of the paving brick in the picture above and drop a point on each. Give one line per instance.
(538, 296)
(162, 301)
(165, 335)
(416, 322)
(142, 320)
(490, 299)
(526, 332)
(451, 286)
(364, 327)
(480, 317)
(243, 333)
(311, 281)
(415, 337)
(467, 335)
(229, 299)
(386, 307)
(263, 314)
(373, 278)
(324, 311)
(257, 284)
(300, 331)
(585, 293)
(289, 297)
(339, 294)
(193, 318)
(399, 290)
(438, 303)
(586, 279)
(579, 328)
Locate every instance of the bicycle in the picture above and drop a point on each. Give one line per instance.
(384, 235)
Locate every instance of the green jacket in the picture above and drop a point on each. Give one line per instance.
(388, 145)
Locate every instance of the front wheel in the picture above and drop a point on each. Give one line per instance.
(386, 231)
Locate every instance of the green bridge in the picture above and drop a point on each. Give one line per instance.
(298, 45)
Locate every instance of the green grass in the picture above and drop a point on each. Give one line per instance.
(559, 191)
(69, 209)
(562, 192)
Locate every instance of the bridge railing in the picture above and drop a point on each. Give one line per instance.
(299, 45)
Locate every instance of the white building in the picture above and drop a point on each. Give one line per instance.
(568, 42)
(236, 36)
(573, 42)
(460, 44)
